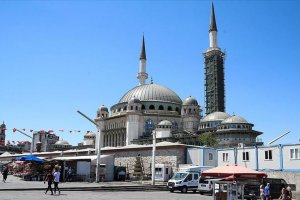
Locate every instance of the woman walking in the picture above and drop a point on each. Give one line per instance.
(56, 180)
(49, 178)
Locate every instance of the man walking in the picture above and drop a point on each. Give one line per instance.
(267, 192)
(56, 180)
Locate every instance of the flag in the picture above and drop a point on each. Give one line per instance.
(61, 130)
(78, 131)
(4, 129)
(8, 142)
(14, 129)
(42, 131)
(51, 131)
(2, 142)
(13, 142)
(70, 131)
(31, 130)
(24, 129)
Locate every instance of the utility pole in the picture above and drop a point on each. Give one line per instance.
(98, 150)
(153, 156)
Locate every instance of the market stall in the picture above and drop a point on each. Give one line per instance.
(231, 180)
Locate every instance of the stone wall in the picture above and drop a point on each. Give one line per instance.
(290, 178)
(173, 156)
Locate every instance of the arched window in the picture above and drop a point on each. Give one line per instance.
(177, 109)
(131, 107)
(143, 107)
(190, 110)
(151, 107)
(161, 107)
(148, 127)
(170, 108)
(125, 108)
(136, 108)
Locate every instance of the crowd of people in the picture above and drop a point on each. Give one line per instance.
(265, 193)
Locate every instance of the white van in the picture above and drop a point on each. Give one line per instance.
(186, 179)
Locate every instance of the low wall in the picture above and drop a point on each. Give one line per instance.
(171, 155)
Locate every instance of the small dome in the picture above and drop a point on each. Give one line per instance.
(89, 133)
(215, 116)
(134, 100)
(190, 101)
(165, 123)
(103, 108)
(234, 120)
(62, 142)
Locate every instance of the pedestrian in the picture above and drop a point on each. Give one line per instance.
(49, 177)
(5, 173)
(267, 192)
(289, 193)
(261, 192)
(56, 180)
(283, 195)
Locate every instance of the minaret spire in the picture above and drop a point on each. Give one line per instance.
(213, 31)
(142, 75)
(143, 50)
(214, 70)
(213, 24)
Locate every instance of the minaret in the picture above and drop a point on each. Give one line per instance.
(214, 71)
(142, 75)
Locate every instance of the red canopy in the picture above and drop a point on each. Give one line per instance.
(234, 171)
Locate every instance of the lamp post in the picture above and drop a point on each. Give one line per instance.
(31, 145)
(98, 150)
(153, 156)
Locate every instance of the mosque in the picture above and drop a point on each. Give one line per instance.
(152, 108)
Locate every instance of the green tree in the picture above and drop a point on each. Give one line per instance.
(207, 139)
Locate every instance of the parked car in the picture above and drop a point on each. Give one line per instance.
(205, 186)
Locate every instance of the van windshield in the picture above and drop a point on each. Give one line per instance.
(179, 175)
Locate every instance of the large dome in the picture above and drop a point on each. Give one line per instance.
(151, 92)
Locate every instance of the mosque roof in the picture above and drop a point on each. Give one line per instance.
(234, 119)
(151, 92)
(165, 123)
(215, 116)
(62, 142)
(190, 101)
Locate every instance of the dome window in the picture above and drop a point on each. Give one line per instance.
(161, 107)
(170, 108)
(151, 107)
(143, 107)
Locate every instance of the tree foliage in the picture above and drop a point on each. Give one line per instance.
(207, 139)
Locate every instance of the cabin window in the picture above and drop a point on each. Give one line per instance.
(268, 155)
(246, 156)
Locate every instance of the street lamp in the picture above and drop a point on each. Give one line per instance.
(98, 150)
(31, 145)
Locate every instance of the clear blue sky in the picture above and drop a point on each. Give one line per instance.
(60, 56)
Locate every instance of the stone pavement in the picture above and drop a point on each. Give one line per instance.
(14, 183)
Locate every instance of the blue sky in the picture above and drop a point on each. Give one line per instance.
(57, 57)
